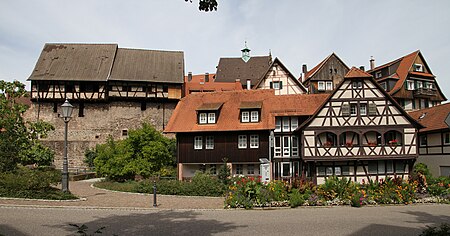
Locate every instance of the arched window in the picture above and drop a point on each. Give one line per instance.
(371, 138)
(326, 139)
(349, 139)
(393, 137)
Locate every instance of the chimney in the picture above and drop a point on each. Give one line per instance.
(249, 84)
(304, 71)
(189, 76)
(362, 68)
(372, 63)
(206, 77)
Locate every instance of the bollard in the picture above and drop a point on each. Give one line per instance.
(154, 194)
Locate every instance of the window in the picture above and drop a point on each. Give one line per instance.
(423, 140)
(278, 124)
(254, 141)
(429, 85)
(447, 138)
(277, 85)
(373, 167)
(329, 85)
(285, 169)
(277, 148)
(378, 74)
(286, 146)
(254, 116)
(294, 123)
(345, 170)
(202, 168)
(353, 109)
(337, 170)
(408, 104)
(372, 109)
(418, 67)
(321, 170)
(384, 85)
(251, 169)
(124, 132)
(321, 85)
(389, 167)
(198, 142)
(419, 84)
(357, 85)
(202, 118)
(363, 109)
(211, 118)
(245, 116)
(209, 142)
(399, 167)
(239, 169)
(294, 146)
(286, 124)
(381, 169)
(410, 85)
(242, 141)
(329, 170)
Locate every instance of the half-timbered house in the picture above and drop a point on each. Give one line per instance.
(434, 138)
(409, 81)
(112, 90)
(325, 76)
(360, 132)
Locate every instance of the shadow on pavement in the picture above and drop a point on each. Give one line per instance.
(8, 230)
(155, 223)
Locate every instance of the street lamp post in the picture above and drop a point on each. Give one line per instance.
(67, 109)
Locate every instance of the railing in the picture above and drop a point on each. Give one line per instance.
(425, 92)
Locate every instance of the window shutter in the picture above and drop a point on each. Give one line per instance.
(281, 84)
(372, 109)
(271, 85)
(345, 110)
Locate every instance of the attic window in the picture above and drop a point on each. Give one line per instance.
(418, 67)
(276, 85)
(378, 74)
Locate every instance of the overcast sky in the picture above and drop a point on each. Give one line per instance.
(296, 31)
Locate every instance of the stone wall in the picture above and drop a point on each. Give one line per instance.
(100, 121)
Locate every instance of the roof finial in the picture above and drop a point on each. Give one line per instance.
(245, 53)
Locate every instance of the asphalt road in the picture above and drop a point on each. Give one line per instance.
(382, 220)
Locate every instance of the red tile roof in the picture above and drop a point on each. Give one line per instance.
(198, 84)
(432, 118)
(184, 118)
(357, 73)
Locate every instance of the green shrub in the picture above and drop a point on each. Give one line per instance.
(296, 198)
(337, 188)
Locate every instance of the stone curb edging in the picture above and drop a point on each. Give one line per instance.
(43, 200)
(111, 208)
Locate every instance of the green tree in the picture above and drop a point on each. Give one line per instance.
(206, 5)
(145, 152)
(19, 140)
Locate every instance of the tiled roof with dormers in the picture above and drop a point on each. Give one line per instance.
(184, 118)
(432, 118)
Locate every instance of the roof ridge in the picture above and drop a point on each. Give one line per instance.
(153, 50)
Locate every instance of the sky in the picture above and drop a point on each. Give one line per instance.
(296, 31)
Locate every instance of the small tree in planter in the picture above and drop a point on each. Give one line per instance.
(224, 172)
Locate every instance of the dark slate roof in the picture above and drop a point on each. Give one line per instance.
(82, 62)
(148, 66)
(230, 69)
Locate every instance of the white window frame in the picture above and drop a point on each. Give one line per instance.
(239, 169)
(254, 116)
(418, 67)
(423, 142)
(277, 147)
(242, 141)
(276, 85)
(430, 85)
(321, 85)
(357, 85)
(245, 117)
(294, 145)
(278, 124)
(254, 141)
(294, 123)
(202, 119)
(410, 85)
(363, 109)
(286, 125)
(209, 142)
(286, 146)
(353, 109)
(198, 142)
(211, 118)
(282, 169)
(329, 85)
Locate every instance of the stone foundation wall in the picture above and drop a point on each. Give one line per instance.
(100, 121)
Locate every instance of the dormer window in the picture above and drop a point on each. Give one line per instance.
(378, 74)
(329, 85)
(418, 67)
(208, 113)
(325, 85)
(250, 112)
(357, 85)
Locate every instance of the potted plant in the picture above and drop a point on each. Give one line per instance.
(372, 144)
(327, 144)
(393, 142)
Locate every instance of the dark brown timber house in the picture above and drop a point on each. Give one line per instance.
(112, 90)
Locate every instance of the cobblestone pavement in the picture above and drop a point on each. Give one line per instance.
(99, 198)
